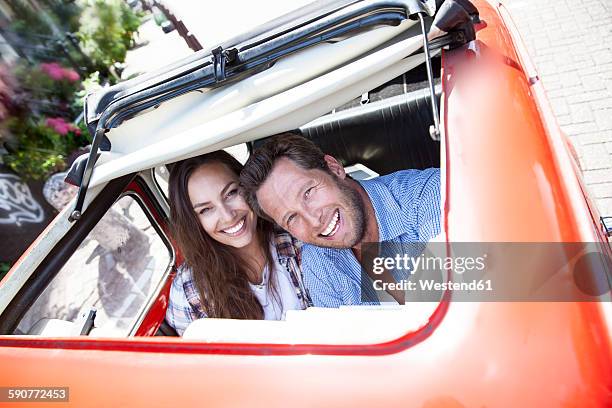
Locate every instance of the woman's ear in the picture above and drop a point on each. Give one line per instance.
(334, 166)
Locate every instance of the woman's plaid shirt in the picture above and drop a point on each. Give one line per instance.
(185, 304)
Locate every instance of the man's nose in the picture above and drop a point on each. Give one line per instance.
(314, 216)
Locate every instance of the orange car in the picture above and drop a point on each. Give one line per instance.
(82, 312)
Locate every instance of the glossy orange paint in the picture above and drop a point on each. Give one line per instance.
(509, 177)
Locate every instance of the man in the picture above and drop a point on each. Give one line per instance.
(308, 193)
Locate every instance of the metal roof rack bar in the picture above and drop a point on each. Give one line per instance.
(219, 68)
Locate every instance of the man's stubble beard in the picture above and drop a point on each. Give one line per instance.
(356, 206)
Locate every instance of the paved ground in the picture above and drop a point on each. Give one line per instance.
(569, 41)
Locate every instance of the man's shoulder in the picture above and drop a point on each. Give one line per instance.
(322, 259)
(414, 176)
(404, 186)
(315, 252)
(407, 185)
(322, 265)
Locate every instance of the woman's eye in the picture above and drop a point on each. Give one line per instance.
(204, 210)
(232, 192)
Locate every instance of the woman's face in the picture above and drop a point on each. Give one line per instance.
(223, 213)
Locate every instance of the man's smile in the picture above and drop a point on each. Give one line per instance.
(332, 226)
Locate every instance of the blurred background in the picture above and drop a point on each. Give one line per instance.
(52, 53)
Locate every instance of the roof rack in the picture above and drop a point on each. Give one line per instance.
(223, 65)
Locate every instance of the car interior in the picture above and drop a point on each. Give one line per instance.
(385, 130)
(382, 131)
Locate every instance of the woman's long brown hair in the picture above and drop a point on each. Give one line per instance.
(220, 275)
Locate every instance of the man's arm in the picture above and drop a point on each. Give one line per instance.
(318, 274)
(418, 192)
(428, 208)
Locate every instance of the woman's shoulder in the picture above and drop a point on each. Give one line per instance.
(286, 245)
(183, 273)
(183, 282)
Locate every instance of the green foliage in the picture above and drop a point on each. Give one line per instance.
(65, 13)
(130, 22)
(43, 146)
(35, 164)
(29, 23)
(89, 85)
(38, 136)
(52, 83)
(107, 29)
(61, 13)
(8, 85)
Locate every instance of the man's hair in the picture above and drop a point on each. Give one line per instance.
(291, 145)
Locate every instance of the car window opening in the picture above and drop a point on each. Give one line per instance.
(384, 132)
(387, 133)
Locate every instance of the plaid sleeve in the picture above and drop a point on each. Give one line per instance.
(180, 312)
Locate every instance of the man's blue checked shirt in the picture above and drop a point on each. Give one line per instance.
(407, 208)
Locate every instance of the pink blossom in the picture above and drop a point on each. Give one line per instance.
(53, 70)
(62, 127)
(59, 125)
(71, 75)
(57, 72)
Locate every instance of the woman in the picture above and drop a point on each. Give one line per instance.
(236, 265)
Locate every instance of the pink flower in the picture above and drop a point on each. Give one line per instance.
(71, 75)
(53, 70)
(59, 125)
(62, 127)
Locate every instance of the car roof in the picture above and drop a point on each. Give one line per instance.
(276, 45)
(272, 25)
(274, 78)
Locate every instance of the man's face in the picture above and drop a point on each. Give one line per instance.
(312, 205)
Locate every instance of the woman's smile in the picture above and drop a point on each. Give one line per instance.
(236, 229)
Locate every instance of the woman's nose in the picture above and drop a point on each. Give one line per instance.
(227, 213)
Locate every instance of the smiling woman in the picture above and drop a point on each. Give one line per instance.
(236, 266)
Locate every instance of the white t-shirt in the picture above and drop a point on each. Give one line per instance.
(284, 287)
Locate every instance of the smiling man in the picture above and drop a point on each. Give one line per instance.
(308, 193)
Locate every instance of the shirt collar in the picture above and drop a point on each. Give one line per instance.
(389, 215)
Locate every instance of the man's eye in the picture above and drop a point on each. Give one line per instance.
(308, 193)
(290, 219)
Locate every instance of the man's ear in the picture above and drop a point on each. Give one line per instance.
(334, 166)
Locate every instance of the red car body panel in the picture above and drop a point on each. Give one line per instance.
(509, 177)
